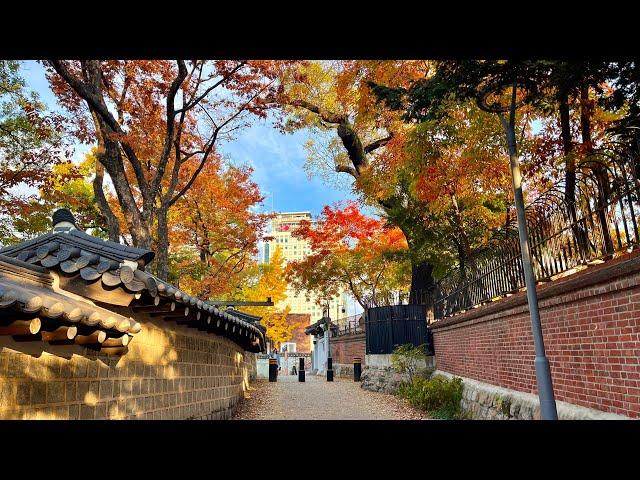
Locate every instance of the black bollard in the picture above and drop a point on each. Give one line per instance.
(357, 368)
(273, 369)
(301, 371)
(329, 370)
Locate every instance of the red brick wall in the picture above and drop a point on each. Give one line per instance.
(591, 329)
(344, 348)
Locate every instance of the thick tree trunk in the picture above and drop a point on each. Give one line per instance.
(600, 171)
(422, 285)
(139, 227)
(162, 249)
(90, 88)
(113, 226)
(578, 231)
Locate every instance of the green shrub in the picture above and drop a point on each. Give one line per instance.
(439, 396)
(405, 358)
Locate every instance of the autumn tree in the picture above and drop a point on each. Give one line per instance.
(31, 143)
(269, 281)
(67, 185)
(626, 95)
(369, 142)
(429, 180)
(152, 121)
(214, 229)
(509, 90)
(354, 252)
(456, 169)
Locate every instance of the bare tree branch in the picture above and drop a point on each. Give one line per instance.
(169, 135)
(197, 100)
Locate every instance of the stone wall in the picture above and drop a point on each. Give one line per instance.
(379, 376)
(483, 401)
(591, 327)
(342, 370)
(169, 372)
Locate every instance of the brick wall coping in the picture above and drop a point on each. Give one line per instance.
(345, 338)
(619, 267)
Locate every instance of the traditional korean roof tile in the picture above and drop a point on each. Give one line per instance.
(319, 327)
(243, 315)
(30, 306)
(47, 244)
(113, 273)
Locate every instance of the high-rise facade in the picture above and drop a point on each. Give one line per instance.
(282, 226)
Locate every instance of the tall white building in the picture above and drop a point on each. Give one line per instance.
(282, 225)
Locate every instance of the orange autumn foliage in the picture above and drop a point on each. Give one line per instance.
(214, 230)
(351, 251)
(154, 121)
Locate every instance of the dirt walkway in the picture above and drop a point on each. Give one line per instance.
(317, 399)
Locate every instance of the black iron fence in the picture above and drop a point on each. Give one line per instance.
(566, 231)
(350, 325)
(389, 327)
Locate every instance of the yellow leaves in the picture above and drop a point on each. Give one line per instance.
(279, 329)
(271, 283)
(214, 230)
(315, 82)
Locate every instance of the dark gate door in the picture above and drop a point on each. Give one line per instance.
(388, 327)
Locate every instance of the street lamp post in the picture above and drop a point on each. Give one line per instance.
(543, 371)
(329, 359)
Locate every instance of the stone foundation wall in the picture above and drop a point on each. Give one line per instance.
(483, 401)
(343, 370)
(381, 379)
(379, 376)
(169, 372)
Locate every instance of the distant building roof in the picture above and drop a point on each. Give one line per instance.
(293, 213)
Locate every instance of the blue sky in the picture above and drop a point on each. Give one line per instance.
(277, 158)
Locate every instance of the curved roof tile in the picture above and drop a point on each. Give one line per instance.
(76, 253)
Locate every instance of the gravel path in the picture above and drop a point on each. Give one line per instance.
(317, 399)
